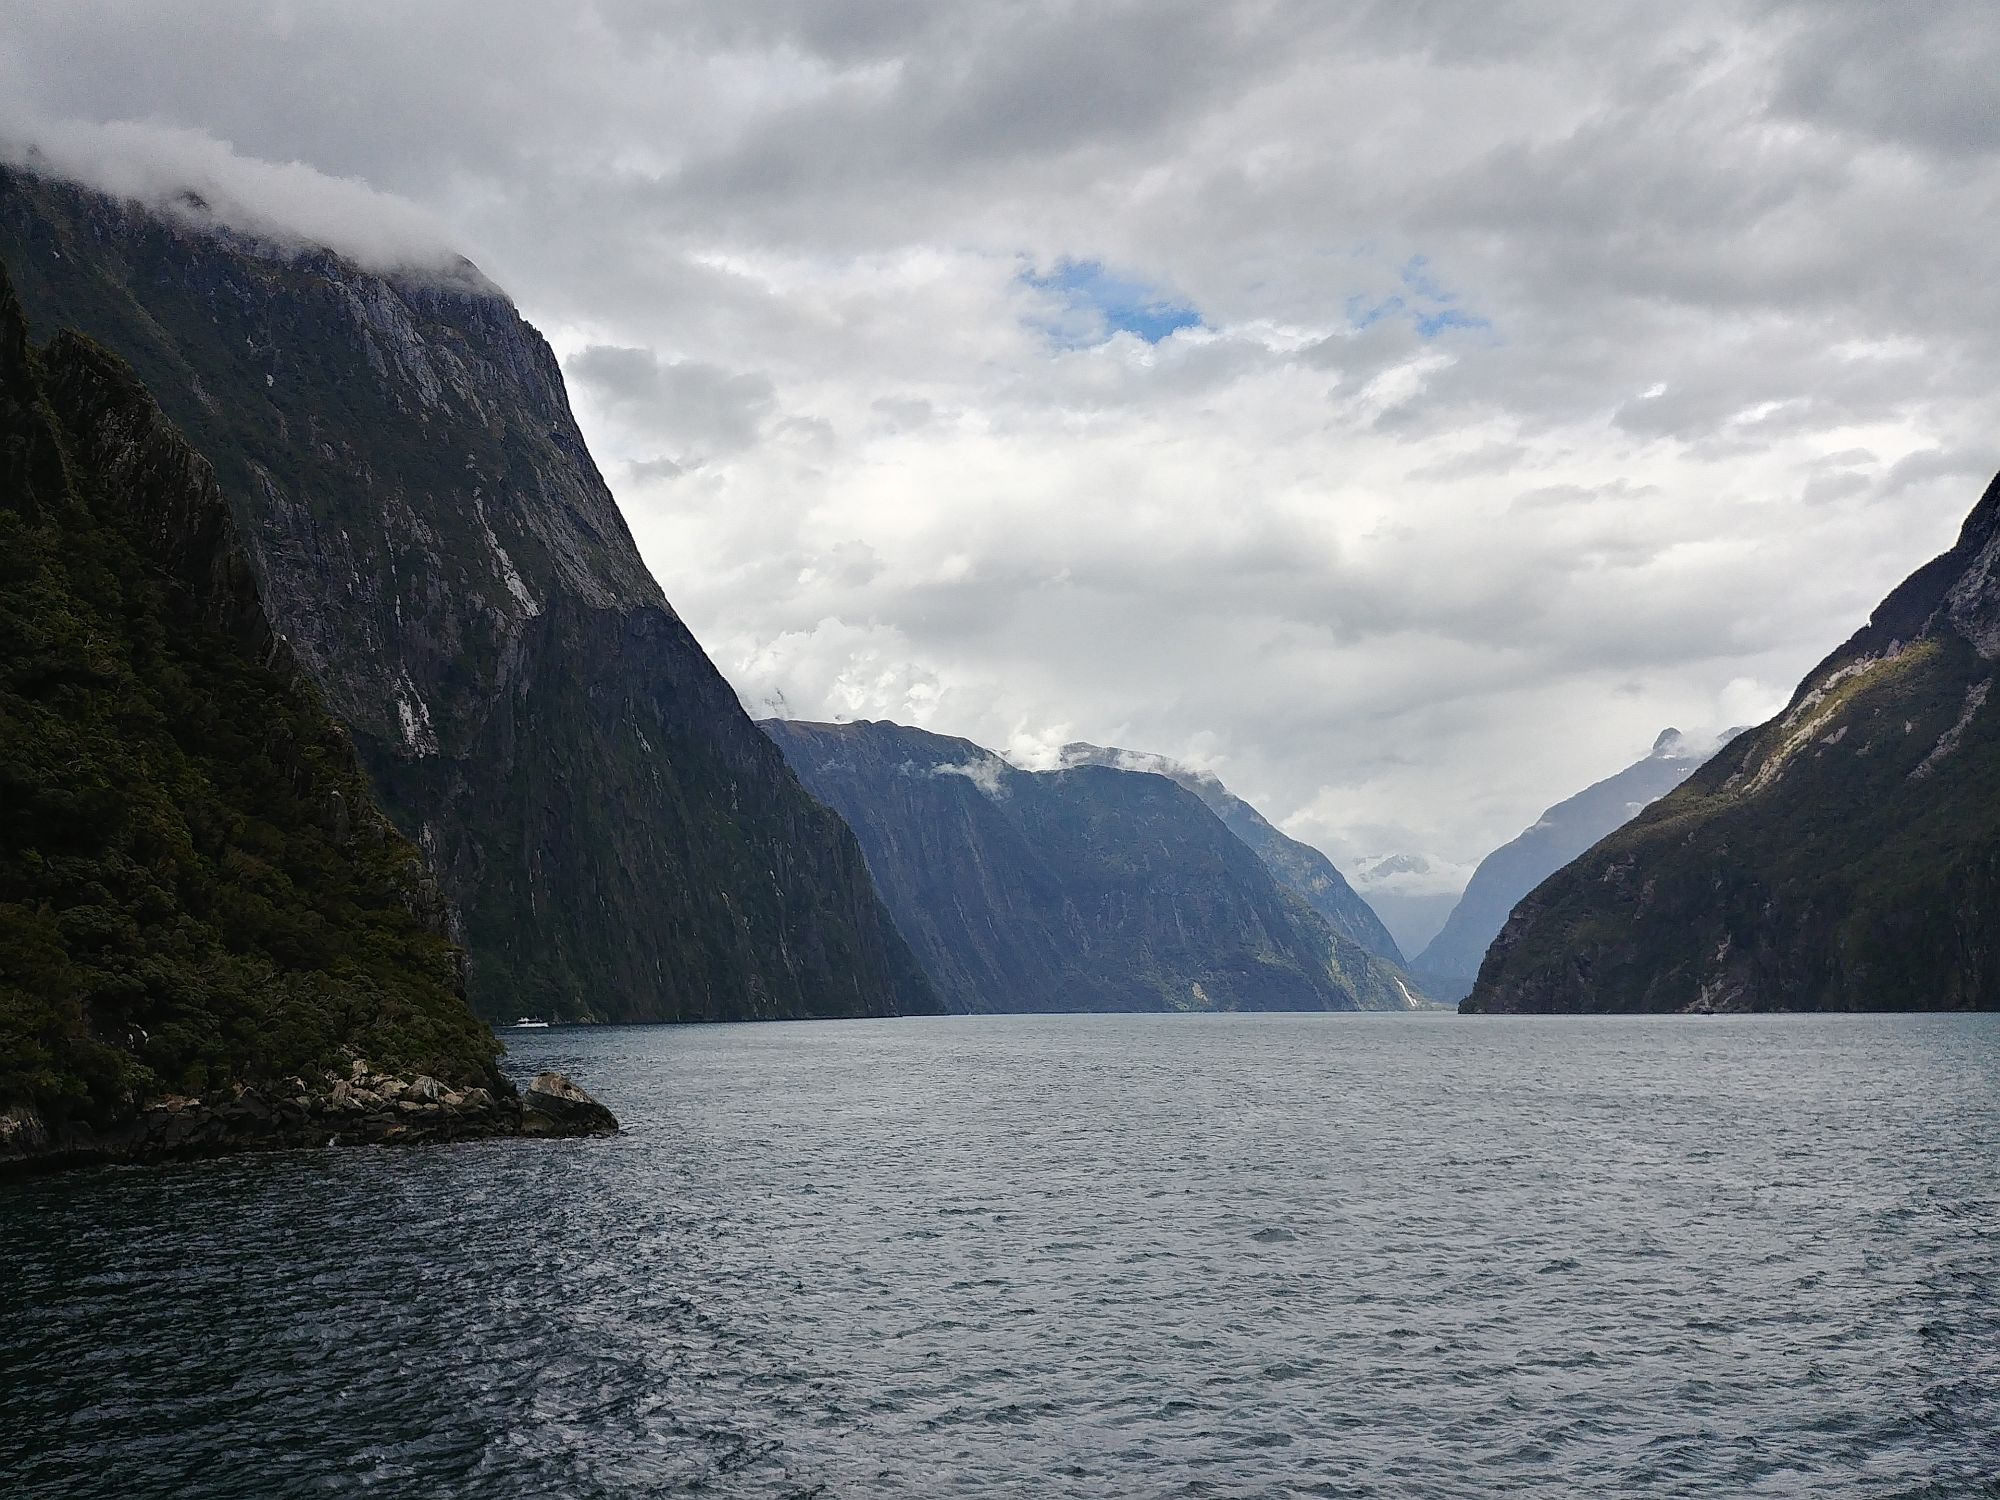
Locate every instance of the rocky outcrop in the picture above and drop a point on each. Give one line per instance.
(1084, 889)
(432, 540)
(1843, 856)
(1447, 966)
(555, 1106)
(1299, 868)
(358, 1108)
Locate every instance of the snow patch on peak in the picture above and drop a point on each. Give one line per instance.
(1409, 874)
(1674, 744)
(1383, 866)
(1671, 745)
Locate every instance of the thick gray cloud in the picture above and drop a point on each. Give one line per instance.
(1546, 373)
(700, 410)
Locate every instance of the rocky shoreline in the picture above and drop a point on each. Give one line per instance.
(362, 1108)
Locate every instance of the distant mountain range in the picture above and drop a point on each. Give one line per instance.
(1089, 887)
(1448, 964)
(1843, 856)
(338, 693)
(1298, 867)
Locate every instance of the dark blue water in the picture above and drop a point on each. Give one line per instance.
(1203, 1256)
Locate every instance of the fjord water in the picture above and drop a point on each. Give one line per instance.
(1130, 1255)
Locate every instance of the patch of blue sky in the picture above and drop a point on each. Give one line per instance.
(1431, 324)
(1100, 303)
(1423, 300)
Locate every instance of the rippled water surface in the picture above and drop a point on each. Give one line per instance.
(1204, 1256)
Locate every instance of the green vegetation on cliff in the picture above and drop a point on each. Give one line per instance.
(195, 887)
(1844, 856)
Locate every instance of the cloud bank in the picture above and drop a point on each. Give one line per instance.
(1407, 410)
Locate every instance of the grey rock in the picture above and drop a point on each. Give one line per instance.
(337, 1113)
(554, 1095)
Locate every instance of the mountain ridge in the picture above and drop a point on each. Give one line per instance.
(1298, 866)
(1450, 962)
(1080, 888)
(198, 893)
(1844, 855)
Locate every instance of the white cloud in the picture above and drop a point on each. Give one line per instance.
(989, 775)
(184, 172)
(1563, 373)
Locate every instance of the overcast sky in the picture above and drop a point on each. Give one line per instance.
(1405, 410)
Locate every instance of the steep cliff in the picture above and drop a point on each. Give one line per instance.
(1299, 868)
(1844, 856)
(1448, 965)
(434, 542)
(1090, 888)
(197, 892)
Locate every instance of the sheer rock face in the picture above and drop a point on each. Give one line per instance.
(1844, 856)
(434, 543)
(1085, 889)
(1298, 867)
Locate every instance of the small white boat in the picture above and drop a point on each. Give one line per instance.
(529, 1023)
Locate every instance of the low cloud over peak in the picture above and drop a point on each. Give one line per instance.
(186, 174)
